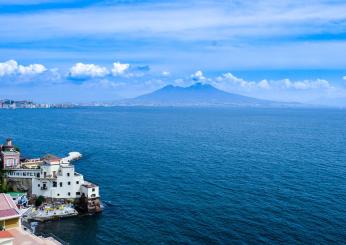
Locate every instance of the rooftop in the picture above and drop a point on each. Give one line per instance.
(16, 194)
(88, 184)
(51, 159)
(9, 152)
(5, 234)
(24, 237)
(8, 208)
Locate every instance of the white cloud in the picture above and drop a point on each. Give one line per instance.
(119, 69)
(227, 23)
(8, 68)
(306, 84)
(229, 79)
(198, 76)
(184, 19)
(264, 84)
(81, 70)
(11, 67)
(31, 69)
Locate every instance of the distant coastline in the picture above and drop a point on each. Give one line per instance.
(26, 104)
(196, 95)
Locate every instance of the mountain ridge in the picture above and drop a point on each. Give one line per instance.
(198, 94)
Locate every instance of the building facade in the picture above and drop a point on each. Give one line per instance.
(58, 180)
(10, 157)
(51, 177)
(9, 213)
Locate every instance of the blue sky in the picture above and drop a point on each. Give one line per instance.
(75, 51)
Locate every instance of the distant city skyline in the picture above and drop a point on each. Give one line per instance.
(80, 51)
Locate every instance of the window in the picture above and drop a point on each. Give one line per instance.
(58, 194)
(60, 184)
(77, 193)
(8, 162)
(68, 174)
(38, 175)
(69, 183)
(77, 182)
(69, 193)
(93, 189)
(54, 184)
(38, 185)
(93, 195)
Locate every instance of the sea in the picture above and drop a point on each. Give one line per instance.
(197, 175)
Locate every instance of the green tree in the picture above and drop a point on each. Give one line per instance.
(39, 201)
(3, 182)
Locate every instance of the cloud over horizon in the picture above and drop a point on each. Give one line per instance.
(11, 67)
(126, 82)
(290, 49)
(268, 84)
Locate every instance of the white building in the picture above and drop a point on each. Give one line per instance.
(58, 179)
(50, 177)
(23, 173)
(90, 190)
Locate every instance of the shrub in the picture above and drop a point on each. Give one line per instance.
(39, 201)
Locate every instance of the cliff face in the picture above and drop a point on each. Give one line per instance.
(85, 205)
(19, 185)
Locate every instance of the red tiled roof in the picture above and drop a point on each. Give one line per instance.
(8, 213)
(50, 157)
(5, 234)
(6, 202)
(7, 206)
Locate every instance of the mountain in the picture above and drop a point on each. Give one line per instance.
(196, 95)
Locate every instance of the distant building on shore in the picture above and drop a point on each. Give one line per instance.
(25, 104)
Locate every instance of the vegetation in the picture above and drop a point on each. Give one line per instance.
(3, 182)
(39, 201)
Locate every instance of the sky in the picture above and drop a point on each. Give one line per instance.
(85, 50)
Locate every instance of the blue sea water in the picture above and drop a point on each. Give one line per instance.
(198, 175)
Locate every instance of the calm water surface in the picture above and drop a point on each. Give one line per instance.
(198, 176)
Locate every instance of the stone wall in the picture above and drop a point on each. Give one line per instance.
(20, 185)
